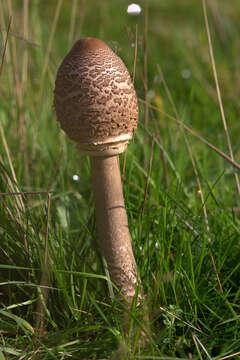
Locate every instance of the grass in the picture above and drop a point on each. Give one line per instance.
(181, 196)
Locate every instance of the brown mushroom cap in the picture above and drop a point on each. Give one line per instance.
(94, 98)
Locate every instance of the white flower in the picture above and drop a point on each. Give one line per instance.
(134, 9)
(186, 73)
(151, 94)
(75, 177)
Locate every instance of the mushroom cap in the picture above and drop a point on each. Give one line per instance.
(94, 99)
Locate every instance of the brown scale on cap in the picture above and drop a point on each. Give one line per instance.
(94, 98)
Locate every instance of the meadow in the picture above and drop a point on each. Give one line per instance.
(180, 176)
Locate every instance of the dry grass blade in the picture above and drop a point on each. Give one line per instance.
(178, 318)
(27, 41)
(195, 134)
(218, 90)
(229, 356)
(20, 100)
(145, 68)
(215, 11)
(164, 161)
(12, 186)
(15, 63)
(18, 203)
(45, 280)
(5, 45)
(25, 193)
(81, 15)
(49, 46)
(135, 54)
(25, 35)
(72, 23)
(133, 79)
(202, 346)
(196, 344)
(163, 153)
(148, 178)
(10, 214)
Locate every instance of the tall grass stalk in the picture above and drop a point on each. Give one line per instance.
(49, 47)
(45, 281)
(145, 67)
(219, 96)
(72, 23)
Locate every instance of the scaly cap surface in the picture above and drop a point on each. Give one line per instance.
(94, 98)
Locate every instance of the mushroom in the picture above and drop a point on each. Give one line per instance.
(96, 105)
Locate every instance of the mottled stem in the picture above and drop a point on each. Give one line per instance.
(112, 224)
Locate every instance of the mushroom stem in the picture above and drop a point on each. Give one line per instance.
(112, 224)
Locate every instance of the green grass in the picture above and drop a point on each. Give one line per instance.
(188, 260)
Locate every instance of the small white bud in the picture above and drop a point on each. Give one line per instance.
(134, 9)
(75, 177)
(186, 74)
(151, 94)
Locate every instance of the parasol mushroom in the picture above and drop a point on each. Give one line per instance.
(96, 106)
